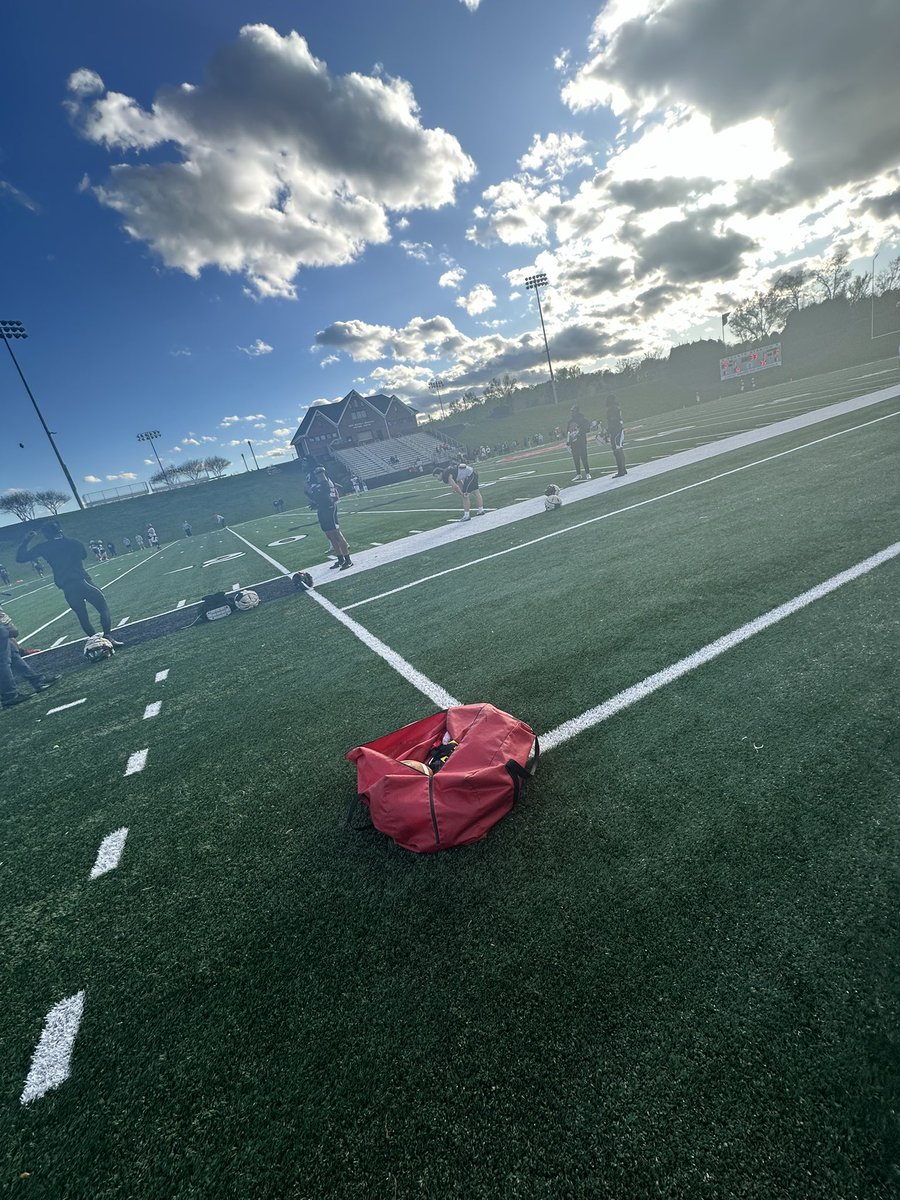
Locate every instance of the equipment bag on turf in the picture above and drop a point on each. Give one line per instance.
(216, 606)
(475, 786)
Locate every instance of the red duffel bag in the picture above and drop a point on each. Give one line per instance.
(476, 786)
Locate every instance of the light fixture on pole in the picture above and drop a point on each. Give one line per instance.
(253, 452)
(15, 329)
(148, 437)
(534, 283)
(244, 457)
(435, 385)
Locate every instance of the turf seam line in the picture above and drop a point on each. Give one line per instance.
(51, 1063)
(615, 513)
(602, 712)
(109, 853)
(435, 693)
(137, 762)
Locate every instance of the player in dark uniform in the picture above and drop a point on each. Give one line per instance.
(464, 481)
(323, 497)
(616, 432)
(576, 436)
(66, 557)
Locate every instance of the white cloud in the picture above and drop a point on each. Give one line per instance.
(328, 360)
(228, 421)
(517, 212)
(283, 432)
(471, 5)
(190, 441)
(421, 251)
(273, 164)
(148, 462)
(255, 349)
(480, 299)
(182, 353)
(452, 278)
(255, 417)
(92, 479)
(207, 438)
(123, 475)
(555, 155)
(7, 189)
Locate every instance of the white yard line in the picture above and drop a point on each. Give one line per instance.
(51, 1063)
(161, 675)
(152, 710)
(103, 588)
(109, 853)
(434, 692)
(63, 707)
(367, 560)
(137, 762)
(684, 666)
(614, 513)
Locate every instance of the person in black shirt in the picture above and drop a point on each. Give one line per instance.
(616, 434)
(576, 436)
(66, 556)
(323, 497)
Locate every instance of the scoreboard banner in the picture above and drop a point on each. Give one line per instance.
(748, 362)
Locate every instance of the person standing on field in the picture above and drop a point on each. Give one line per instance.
(464, 482)
(616, 431)
(323, 497)
(66, 557)
(576, 436)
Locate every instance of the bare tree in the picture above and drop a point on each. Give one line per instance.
(168, 474)
(793, 284)
(834, 274)
(761, 315)
(859, 288)
(216, 465)
(20, 502)
(193, 468)
(52, 500)
(565, 373)
(500, 389)
(888, 280)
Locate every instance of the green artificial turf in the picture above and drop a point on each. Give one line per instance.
(667, 973)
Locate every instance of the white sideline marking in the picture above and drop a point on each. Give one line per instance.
(137, 762)
(178, 569)
(181, 604)
(614, 513)
(161, 675)
(376, 543)
(124, 621)
(51, 1063)
(63, 707)
(109, 853)
(426, 686)
(152, 709)
(59, 641)
(103, 588)
(652, 683)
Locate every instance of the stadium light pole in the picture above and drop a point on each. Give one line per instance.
(435, 385)
(148, 437)
(534, 283)
(15, 329)
(253, 452)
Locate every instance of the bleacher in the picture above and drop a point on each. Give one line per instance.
(374, 459)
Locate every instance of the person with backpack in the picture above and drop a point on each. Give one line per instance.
(323, 497)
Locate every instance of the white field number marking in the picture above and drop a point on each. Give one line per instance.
(224, 558)
(109, 853)
(137, 762)
(298, 537)
(51, 1063)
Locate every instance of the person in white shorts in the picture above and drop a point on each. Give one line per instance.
(464, 481)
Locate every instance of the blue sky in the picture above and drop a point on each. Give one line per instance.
(350, 195)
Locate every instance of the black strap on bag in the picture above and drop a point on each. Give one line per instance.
(520, 775)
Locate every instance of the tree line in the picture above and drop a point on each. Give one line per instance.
(24, 503)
